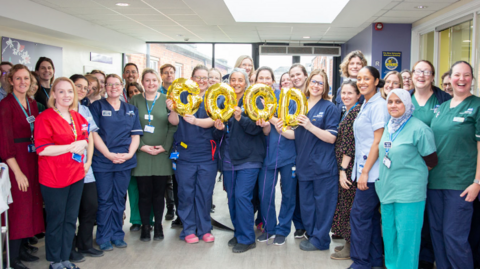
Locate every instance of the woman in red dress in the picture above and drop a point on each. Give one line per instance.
(17, 115)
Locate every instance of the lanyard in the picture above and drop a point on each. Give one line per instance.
(74, 129)
(149, 110)
(45, 91)
(346, 113)
(25, 112)
(395, 136)
(124, 96)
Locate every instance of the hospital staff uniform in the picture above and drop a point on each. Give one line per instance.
(366, 248)
(457, 132)
(61, 179)
(317, 173)
(196, 172)
(42, 95)
(115, 129)
(402, 190)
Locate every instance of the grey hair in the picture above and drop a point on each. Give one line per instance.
(243, 72)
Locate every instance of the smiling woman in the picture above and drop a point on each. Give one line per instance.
(46, 71)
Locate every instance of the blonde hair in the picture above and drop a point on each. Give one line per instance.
(216, 70)
(400, 81)
(91, 78)
(150, 71)
(326, 87)
(348, 58)
(114, 76)
(240, 59)
(51, 100)
(15, 69)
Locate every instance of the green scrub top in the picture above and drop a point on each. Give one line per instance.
(427, 112)
(406, 179)
(456, 131)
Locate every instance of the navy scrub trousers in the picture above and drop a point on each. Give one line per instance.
(195, 190)
(112, 189)
(297, 214)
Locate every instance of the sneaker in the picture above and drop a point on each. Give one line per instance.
(239, 248)
(119, 243)
(177, 223)
(191, 239)
(92, 252)
(135, 228)
(344, 254)
(260, 227)
(300, 233)
(107, 246)
(305, 245)
(76, 256)
(279, 240)
(264, 237)
(208, 238)
(232, 242)
(170, 213)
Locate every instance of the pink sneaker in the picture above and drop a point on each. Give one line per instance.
(208, 238)
(260, 226)
(191, 239)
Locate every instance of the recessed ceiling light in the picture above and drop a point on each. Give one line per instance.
(305, 11)
(421, 7)
(306, 37)
(122, 4)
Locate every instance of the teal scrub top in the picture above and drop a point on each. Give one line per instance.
(406, 179)
(457, 131)
(427, 112)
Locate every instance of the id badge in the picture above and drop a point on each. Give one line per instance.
(174, 155)
(76, 157)
(148, 118)
(387, 145)
(31, 119)
(387, 162)
(149, 129)
(31, 148)
(174, 166)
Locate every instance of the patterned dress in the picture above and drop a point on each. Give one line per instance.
(345, 145)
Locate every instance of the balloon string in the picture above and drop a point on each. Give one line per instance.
(233, 168)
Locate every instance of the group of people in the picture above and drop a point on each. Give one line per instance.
(390, 165)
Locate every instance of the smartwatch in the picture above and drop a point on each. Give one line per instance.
(476, 181)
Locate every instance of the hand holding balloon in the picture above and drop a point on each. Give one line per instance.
(194, 100)
(268, 100)
(300, 99)
(211, 98)
(238, 113)
(219, 125)
(190, 119)
(305, 122)
(262, 123)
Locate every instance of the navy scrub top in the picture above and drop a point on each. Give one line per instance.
(115, 129)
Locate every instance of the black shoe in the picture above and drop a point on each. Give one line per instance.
(177, 223)
(93, 252)
(24, 256)
(239, 248)
(135, 228)
(170, 213)
(336, 237)
(33, 240)
(17, 264)
(76, 256)
(425, 265)
(40, 236)
(145, 236)
(158, 232)
(30, 249)
(299, 234)
(232, 242)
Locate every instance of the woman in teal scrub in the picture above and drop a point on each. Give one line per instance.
(454, 183)
(407, 150)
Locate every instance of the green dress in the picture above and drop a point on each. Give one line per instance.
(427, 112)
(457, 131)
(158, 165)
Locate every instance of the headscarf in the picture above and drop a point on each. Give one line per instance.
(395, 123)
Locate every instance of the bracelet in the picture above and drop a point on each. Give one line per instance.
(476, 181)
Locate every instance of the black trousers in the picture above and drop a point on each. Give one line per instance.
(169, 194)
(151, 190)
(175, 193)
(87, 216)
(61, 205)
(14, 248)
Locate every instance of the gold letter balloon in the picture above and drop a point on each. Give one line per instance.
(194, 100)
(283, 112)
(250, 102)
(211, 106)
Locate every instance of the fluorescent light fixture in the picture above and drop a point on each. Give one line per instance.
(306, 37)
(286, 11)
(122, 4)
(421, 7)
(466, 41)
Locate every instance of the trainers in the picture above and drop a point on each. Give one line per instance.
(208, 238)
(264, 237)
(106, 246)
(119, 243)
(239, 248)
(305, 245)
(232, 242)
(191, 239)
(177, 223)
(300, 233)
(344, 254)
(170, 213)
(135, 228)
(279, 240)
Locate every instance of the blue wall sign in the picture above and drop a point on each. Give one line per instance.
(391, 61)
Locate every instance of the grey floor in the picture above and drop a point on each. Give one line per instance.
(174, 253)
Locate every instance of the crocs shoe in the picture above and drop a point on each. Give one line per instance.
(208, 238)
(191, 239)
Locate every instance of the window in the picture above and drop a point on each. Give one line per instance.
(426, 46)
(455, 44)
(226, 55)
(178, 70)
(154, 63)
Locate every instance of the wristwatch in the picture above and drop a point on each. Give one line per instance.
(476, 181)
(343, 169)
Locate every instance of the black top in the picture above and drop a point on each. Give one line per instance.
(42, 95)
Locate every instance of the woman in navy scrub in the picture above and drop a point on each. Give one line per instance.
(366, 247)
(196, 166)
(317, 169)
(116, 142)
(242, 149)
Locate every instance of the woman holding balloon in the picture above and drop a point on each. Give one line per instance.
(242, 151)
(317, 169)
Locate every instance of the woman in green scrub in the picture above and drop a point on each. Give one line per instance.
(453, 184)
(407, 149)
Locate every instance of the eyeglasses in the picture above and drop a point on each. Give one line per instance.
(82, 88)
(447, 84)
(200, 78)
(424, 72)
(131, 72)
(406, 79)
(168, 73)
(319, 83)
(114, 85)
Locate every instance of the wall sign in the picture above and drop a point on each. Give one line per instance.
(27, 53)
(100, 58)
(391, 61)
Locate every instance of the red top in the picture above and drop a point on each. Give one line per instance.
(51, 129)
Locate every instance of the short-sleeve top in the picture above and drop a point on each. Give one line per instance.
(406, 179)
(345, 143)
(372, 116)
(457, 131)
(160, 164)
(92, 126)
(116, 128)
(51, 129)
(316, 158)
(427, 112)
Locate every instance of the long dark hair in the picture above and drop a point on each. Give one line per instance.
(45, 59)
(376, 75)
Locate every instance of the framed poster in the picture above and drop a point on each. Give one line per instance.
(391, 61)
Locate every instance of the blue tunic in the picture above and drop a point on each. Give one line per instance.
(115, 129)
(85, 112)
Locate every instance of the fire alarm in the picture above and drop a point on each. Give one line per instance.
(379, 26)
